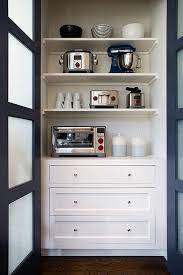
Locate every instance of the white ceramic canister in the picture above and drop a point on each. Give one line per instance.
(138, 147)
(119, 146)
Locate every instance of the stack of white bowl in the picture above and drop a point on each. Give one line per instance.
(101, 31)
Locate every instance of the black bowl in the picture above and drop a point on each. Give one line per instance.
(71, 31)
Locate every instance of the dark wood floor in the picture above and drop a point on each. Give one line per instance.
(104, 266)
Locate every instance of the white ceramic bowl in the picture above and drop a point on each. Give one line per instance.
(134, 30)
(101, 31)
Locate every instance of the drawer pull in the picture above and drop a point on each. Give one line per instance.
(129, 174)
(129, 230)
(75, 202)
(75, 230)
(75, 175)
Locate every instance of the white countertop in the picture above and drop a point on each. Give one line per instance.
(149, 160)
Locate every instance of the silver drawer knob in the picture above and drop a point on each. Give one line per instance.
(129, 174)
(75, 175)
(75, 230)
(129, 230)
(75, 202)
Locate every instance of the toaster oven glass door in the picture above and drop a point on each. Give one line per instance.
(75, 138)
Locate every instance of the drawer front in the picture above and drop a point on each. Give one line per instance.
(101, 174)
(62, 202)
(91, 233)
(101, 229)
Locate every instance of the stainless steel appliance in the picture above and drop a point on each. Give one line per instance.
(124, 60)
(78, 61)
(78, 141)
(135, 99)
(104, 99)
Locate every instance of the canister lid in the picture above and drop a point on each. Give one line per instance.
(138, 141)
(119, 140)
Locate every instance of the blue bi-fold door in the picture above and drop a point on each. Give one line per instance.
(19, 137)
(175, 135)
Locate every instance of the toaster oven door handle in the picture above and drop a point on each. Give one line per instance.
(104, 94)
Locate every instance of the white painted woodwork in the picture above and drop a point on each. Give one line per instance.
(100, 77)
(101, 174)
(103, 232)
(98, 44)
(87, 201)
(102, 112)
(149, 178)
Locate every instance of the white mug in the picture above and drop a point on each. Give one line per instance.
(76, 104)
(76, 96)
(59, 100)
(67, 104)
(68, 97)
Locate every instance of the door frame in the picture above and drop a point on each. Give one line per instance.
(174, 114)
(9, 109)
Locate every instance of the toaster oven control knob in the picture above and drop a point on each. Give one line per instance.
(95, 98)
(101, 148)
(77, 65)
(100, 140)
(113, 98)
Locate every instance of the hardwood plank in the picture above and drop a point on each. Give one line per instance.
(104, 266)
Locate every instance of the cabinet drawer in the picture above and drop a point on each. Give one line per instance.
(101, 174)
(117, 231)
(63, 202)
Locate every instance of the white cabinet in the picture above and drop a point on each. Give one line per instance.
(86, 188)
(96, 214)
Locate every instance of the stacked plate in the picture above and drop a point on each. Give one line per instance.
(101, 31)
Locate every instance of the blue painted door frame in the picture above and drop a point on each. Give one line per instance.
(174, 114)
(31, 262)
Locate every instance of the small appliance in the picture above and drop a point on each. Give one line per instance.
(104, 99)
(78, 61)
(135, 99)
(78, 141)
(123, 59)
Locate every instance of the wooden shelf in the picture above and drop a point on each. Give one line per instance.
(79, 78)
(102, 112)
(97, 44)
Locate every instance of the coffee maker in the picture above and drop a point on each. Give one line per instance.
(123, 59)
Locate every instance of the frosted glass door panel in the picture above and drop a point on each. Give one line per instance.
(20, 77)
(20, 231)
(21, 12)
(19, 151)
(180, 19)
(180, 78)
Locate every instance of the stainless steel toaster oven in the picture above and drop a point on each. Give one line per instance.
(78, 141)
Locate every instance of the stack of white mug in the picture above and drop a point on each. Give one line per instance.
(68, 101)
